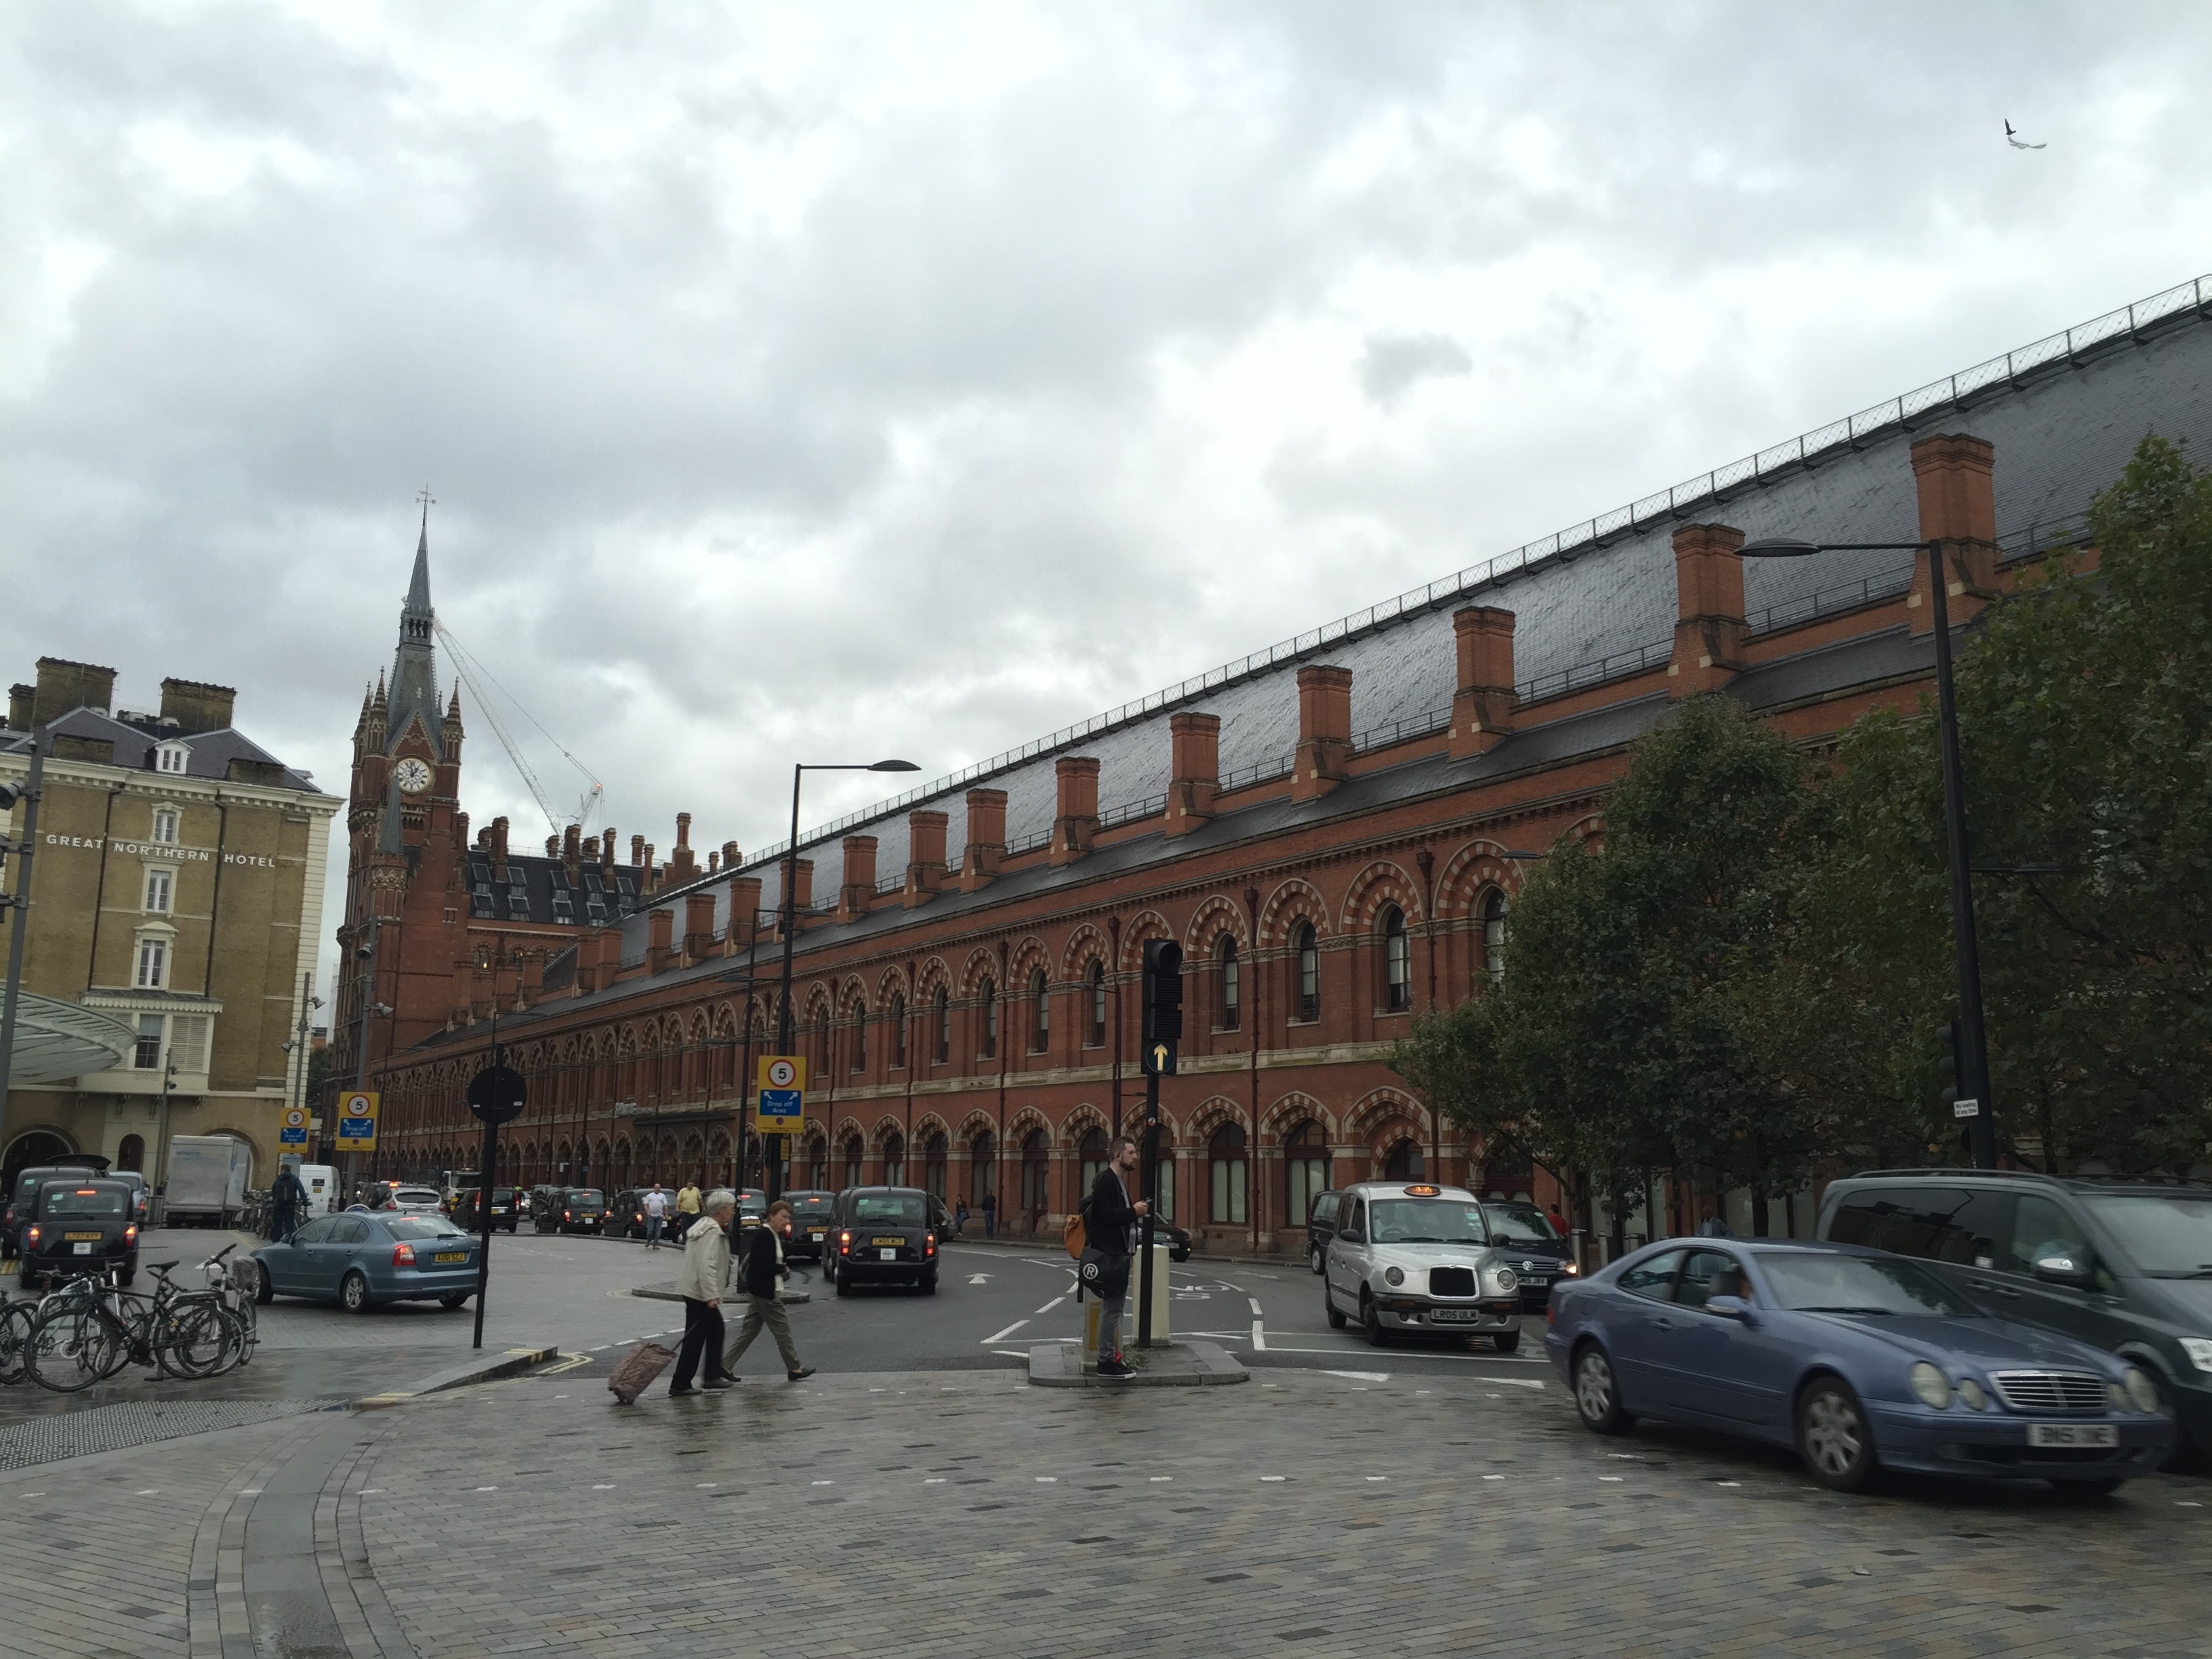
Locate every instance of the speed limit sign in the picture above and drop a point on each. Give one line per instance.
(783, 1072)
(783, 1096)
(296, 1117)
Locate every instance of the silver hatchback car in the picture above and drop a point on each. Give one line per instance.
(1414, 1256)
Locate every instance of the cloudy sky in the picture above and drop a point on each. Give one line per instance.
(829, 381)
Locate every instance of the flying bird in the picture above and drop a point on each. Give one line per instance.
(2018, 142)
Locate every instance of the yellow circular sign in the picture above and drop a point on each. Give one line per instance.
(353, 1106)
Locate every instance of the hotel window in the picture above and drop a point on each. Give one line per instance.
(165, 826)
(1306, 949)
(188, 1041)
(989, 997)
(1493, 934)
(1397, 962)
(152, 969)
(158, 884)
(1096, 980)
(147, 1057)
(1040, 1012)
(1232, 986)
(944, 1025)
(172, 757)
(898, 1030)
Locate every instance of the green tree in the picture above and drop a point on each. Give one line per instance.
(1613, 1046)
(2085, 713)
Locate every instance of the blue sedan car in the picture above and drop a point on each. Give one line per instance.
(359, 1258)
(1858, 1358)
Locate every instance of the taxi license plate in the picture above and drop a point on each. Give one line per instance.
(815, 1232)
(1454, 1316)
(84, 1249)
(451, 1255)
(887, 1241)
(888, 1255)
(87, 1237)
(2073, 1434)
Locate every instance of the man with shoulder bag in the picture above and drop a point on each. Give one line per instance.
(762, 1271)
(1110, 1228)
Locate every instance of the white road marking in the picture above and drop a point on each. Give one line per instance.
(1254, 1301)
(1259, 1332)
(604, 1486)
(822, 1483)
(1493, 1477)
(1361, 1377)
(1008, 1332)
(1374, 1478)
(1047, 1479)
(1158, 1478)
(979, 1278)
(1609, 1477)
(487, 1488)
(1274, 1477)
(1050, 1305)
(933, 1480)
(251, 1491)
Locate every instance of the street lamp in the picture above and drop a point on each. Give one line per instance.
(790, 924)
(1982, 1127)
(18, 903)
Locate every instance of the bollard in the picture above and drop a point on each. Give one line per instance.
(1091, 1308)
(1160, 1294)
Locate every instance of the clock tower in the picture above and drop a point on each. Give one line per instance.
(405, 912)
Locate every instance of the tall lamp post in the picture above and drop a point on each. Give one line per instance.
(788, 912)
(1974, 1054)
(17, 903)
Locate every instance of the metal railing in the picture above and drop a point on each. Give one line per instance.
(2193, 296)
(1414, 725)
(1130, 812)
(1828, 601)
(2048, 536)
(1620, 666)
(1266, 771)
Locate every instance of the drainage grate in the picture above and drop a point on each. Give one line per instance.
(137, 1422)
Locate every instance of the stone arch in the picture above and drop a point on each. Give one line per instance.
(1479, 864)
(983, 964)
(846, 1128)
(1214, 1111)
(931, 974)
(1292, 1108)
(1374, 1111)
(1145, 924)
(890, 983)
(1023, 1119)
(930, 1123)
(1219, 915)
(1081, 1119)
(1294, 900)
(1383, 882)
(976, 1123)
(1084, 944)
(886, 1127)
(1026, 957)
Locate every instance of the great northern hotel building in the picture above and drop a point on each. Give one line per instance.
(1330, 829)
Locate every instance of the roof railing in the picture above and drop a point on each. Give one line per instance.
(2192, 297)
(1599, 671)
(1130, 812)
(1260, 772)
(1829, 601)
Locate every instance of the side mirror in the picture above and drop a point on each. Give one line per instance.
(1731, 1307)
(2070, 1268)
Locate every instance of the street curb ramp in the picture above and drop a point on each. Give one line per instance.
(480, 1368)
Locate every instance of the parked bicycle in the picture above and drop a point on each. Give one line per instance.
(89, 1331)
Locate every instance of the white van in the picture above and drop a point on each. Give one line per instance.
(321, 1181)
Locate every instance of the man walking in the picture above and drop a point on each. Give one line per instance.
(656, 1216)
(705, 1278)
(1110, 1229)
(990, 1214)
(762, 1273)
(287, 1196)
(687, 1206)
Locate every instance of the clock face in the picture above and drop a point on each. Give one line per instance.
(411, 776)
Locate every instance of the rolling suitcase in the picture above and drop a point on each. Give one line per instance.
(638, 1367)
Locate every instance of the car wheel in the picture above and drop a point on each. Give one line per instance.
(124, 1278)
(264, 1288)
(1597, 1393)
(927, 1284)
(843, 1282)
(452, 1299)
(1371, 1321)
(353, 1293)
(1329, 1307)
(1833, 1436)
(2086, 1491)
(1317, 1259)
(1507, 1341)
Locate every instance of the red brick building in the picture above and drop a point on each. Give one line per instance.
(1329, 829)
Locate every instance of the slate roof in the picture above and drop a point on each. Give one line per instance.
(135, 736)
(1593, 603)
(537, 890)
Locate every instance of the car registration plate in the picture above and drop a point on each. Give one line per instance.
(452, 1255)
(888, 1255)
(2073, 1434)
(893, 1242)
(92, 1238)
(815, 1233)
(82, 1250)
(1455, 1316)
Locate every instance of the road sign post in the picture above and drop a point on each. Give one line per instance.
(293, 1132)
(497, 1096)
(779, 1109)
(357, 1121)
(1162, 1032)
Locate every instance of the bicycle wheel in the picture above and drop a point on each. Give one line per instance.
(242, 1309)
(195, 1338)
(14, 1331)
(70, 1348)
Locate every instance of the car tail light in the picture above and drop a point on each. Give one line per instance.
(844, 1244)
(130, 1234)
(31, 1233)
(402, 1255)
(565, 1216)
(929, 1243)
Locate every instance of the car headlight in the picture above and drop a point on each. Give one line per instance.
(1931, 1385)
(2142, 1393)
(1507, 1279)
(1394, 1275)
(2199, 1350)
(1568, 1270)
(1971, 1395)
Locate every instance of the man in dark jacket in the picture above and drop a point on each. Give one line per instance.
(762, 1273)
(287, 1197)
(1110, 1229)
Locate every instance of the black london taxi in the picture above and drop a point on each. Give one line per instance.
(882, 1236)
(812, 1213)
(583, 1209)
(76, 1226)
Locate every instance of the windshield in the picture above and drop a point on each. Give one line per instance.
(423, 1226)
(804, 1205)
(2167, 1236)
(586, 1195)
(1427, 1221)
(84, 1200)
(1519, 1223)
(1852, 1283)
(890, 1209)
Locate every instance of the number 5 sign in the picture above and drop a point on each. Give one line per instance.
(357, 1122)
(782, 1099)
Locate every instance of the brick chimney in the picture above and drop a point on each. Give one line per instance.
(196, 706)
(682, 866)
(463, 991)
(925, 855)
(572, 852)
(1956, 477)
(1324, 731)
(1709, 625)
(744, 912)
(1482, 706)
(801, 871)
(552, 847)
(699, 940)
(607, 841)
(64, 685)
(1075, 818)
(499, 849)
(659, 941)
(858, 890)
(1195, 742)
(730, 854)
(637, 852)
(532, 987)
(987, 838)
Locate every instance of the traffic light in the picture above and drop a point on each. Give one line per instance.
(1946, 1060)
(1163, 1021)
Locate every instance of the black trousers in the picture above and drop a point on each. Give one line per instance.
(703, 1344)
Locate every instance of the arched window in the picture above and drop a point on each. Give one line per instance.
(982, 1169)
(1225, 1153)
(894, 1160)
(897, 1018)
(1403, 1162)
(131, 1154)
(1306, 1166)
(932, 1164)
(944, 1025)
(1307, 950)
(853, 1157)
(1164, 1179)
(1040, 1011)
(1037, 1169)
(1397, 961)
(1232, 983)
(1095, 979)
(1090, 1162)
(988, 992)
(817, 1163)
(1493, 934)
(859, 1036)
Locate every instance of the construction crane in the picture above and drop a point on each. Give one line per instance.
(475, 676)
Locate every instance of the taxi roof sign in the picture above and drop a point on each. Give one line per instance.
(1422, 1190)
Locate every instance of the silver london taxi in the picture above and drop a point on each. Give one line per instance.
(1412, 1256)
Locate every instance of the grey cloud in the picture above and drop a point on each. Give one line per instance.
(1396, 362)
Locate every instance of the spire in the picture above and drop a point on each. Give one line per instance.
(415, 669)
(387, 834)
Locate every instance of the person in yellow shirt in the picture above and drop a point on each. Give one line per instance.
(687, 1208)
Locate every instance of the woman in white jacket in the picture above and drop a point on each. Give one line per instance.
(705, 1277)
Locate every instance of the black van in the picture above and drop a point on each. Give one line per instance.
(2125, 1264)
